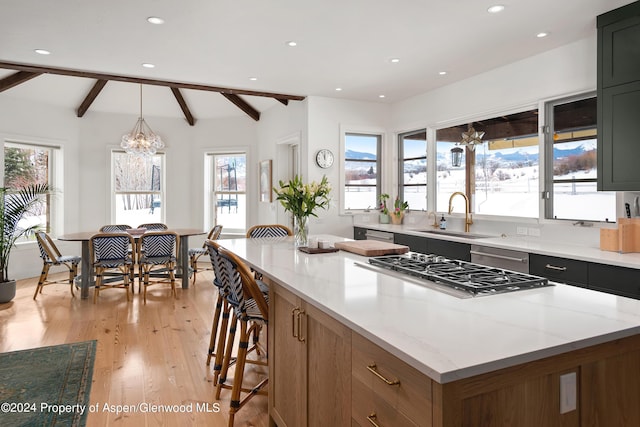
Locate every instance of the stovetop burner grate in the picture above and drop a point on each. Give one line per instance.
(473, 278)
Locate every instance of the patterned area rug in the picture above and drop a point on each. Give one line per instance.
(46, 386)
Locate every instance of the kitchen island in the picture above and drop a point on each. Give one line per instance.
(493, 360)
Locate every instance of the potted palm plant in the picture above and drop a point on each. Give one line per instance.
(14, 204)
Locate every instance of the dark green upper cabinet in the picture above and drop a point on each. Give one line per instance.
(619, 99)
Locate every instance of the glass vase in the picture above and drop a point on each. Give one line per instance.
(301, 230)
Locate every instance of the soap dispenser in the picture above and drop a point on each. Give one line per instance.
(443, 223)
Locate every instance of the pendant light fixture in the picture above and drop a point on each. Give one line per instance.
(141, 141)
(471, 138)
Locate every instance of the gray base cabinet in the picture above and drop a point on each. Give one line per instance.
(569, 271)
(453, 250)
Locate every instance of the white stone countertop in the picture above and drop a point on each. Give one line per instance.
(537, 246)
(445, 337)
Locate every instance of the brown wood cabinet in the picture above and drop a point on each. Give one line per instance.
(322, 373)
(309, 364)
(385, 390)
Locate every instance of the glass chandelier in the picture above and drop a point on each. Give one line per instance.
(141, 141)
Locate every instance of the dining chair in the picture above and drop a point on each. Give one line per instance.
(268, 230)
(251, 311)
(51, 256)
(110, 228)
(196, 253)
(157, 259)
(153, 226)
(111, 261)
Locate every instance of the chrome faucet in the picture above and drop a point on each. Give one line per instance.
(435, 219)
(467, 210)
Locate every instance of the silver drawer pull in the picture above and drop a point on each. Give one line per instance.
(553, 267)
(490, 255)
(374, 370)
(372, 419)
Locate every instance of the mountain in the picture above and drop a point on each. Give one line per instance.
(359, 155)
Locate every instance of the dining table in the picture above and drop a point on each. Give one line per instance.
(87, 280)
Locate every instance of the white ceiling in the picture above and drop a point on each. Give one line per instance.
(341, 43)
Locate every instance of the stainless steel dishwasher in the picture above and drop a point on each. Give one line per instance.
(383, 236)
(500, 258)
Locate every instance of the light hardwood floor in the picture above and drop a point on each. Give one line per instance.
(153, 354)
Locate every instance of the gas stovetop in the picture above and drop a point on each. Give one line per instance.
(474, 279)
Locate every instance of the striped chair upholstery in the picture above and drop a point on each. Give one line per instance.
(111, 260)
(157, 259)
(268, 231)
(196, 253)
(152, 226)
(51, 256)
(252, 312)
(112, 228)
(224, 303)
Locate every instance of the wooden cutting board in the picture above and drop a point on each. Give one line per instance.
(372, 247)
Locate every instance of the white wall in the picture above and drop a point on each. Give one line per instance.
(326, 117)
(278, 127)
(563, 71)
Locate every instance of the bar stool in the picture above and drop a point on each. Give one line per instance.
(196, 253)
(252, 312)
(224, 303)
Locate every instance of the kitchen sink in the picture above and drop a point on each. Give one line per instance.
(466, 235)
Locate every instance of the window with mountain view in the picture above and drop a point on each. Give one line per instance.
(571, 180)
(361, 171)
(412, 168)
(500, 175)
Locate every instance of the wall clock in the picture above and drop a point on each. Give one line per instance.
(324, 158)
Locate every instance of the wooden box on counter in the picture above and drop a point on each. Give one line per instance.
(625, 238)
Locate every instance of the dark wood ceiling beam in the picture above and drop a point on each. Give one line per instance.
(243, 105)
(16, 79)
(283, 101)
(91, 96)
(181, 85)
(183, 106)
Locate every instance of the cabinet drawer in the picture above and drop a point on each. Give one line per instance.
(616, 280)
(562, 270)
(411, 397)
(367, 408)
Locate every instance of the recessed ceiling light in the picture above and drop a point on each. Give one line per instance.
(253, 79)
(42, 51)
(291, 43)
(155, 20)
(380, 96)
(338, 89)
(496, 8)
(541, 35)
(394, 60)
(442, 73)
(148, 65)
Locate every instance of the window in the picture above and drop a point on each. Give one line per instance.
(570, 150)
(138, 184)
(228, 187)
(27, 164)
(361, 166)
(500, 175)
(412, 168)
